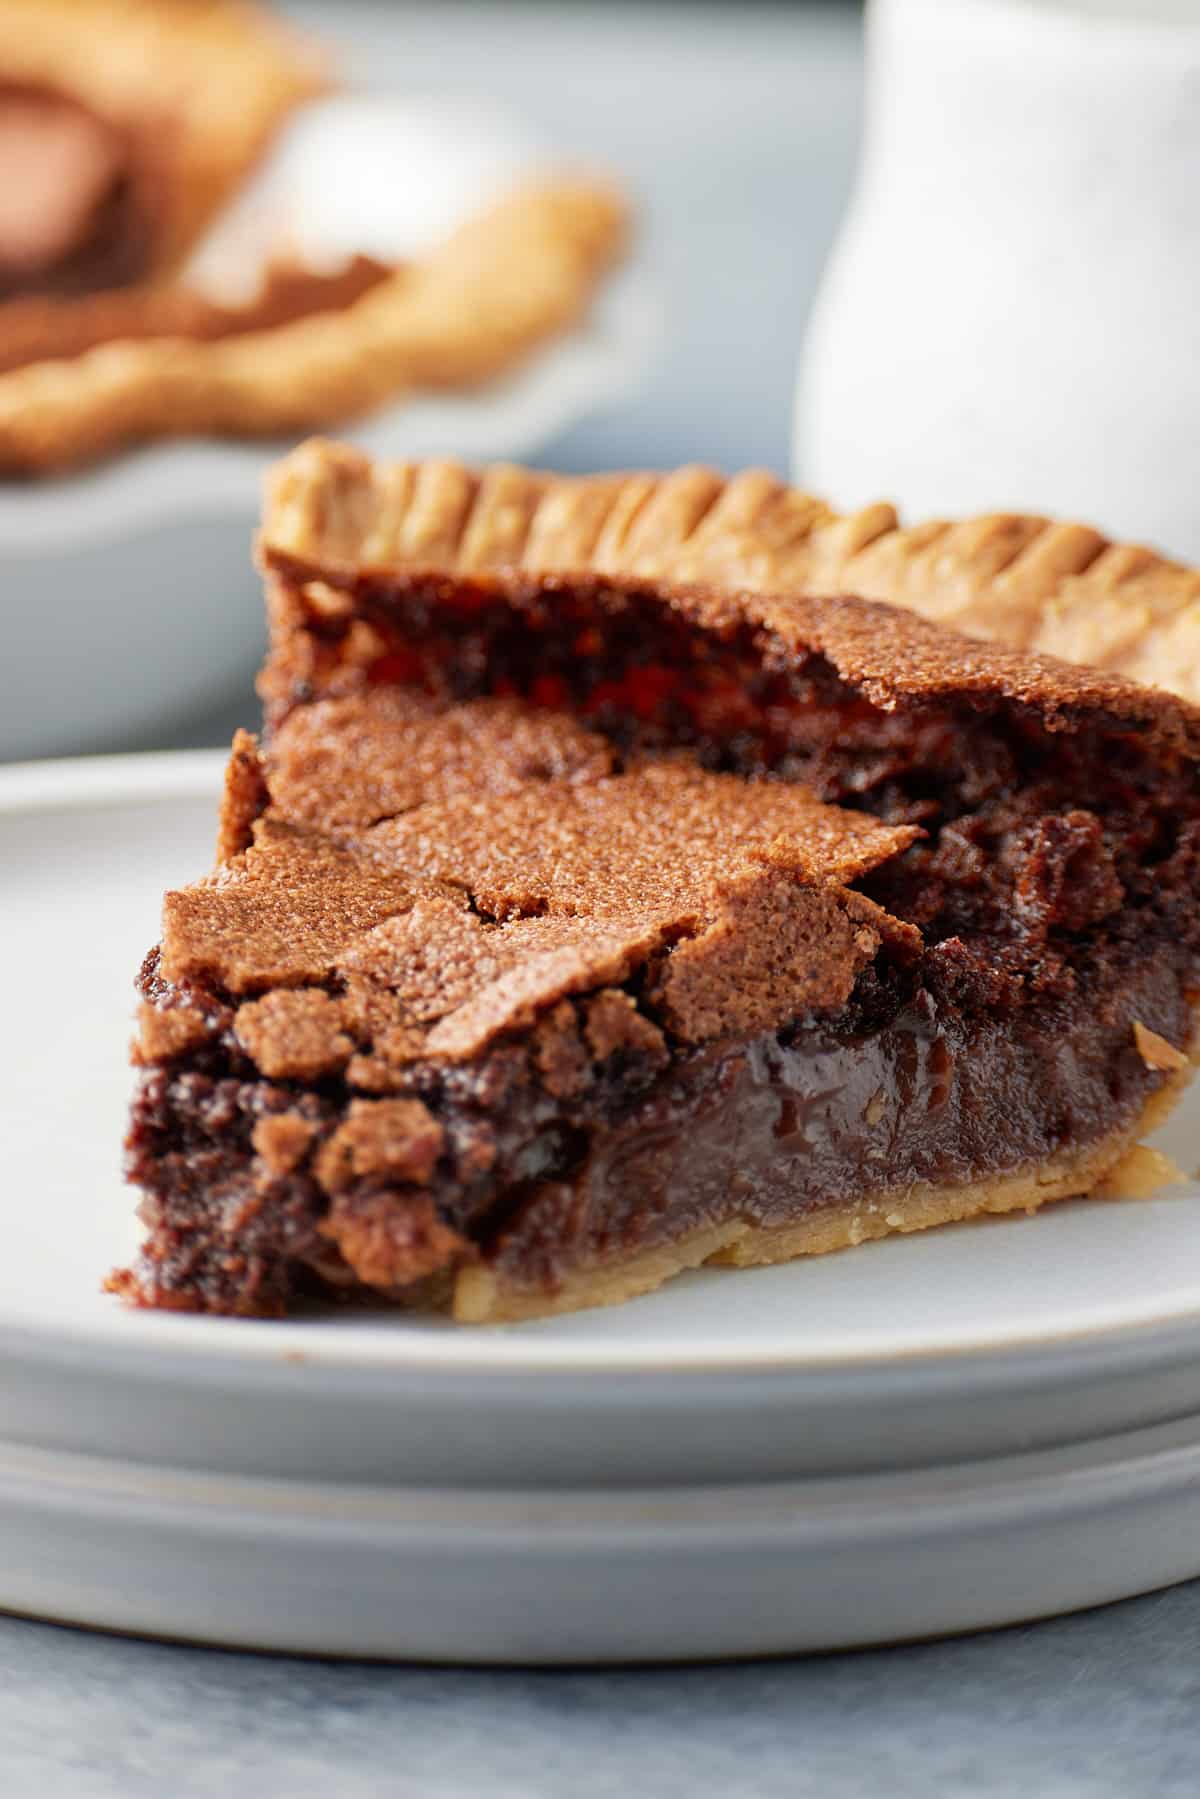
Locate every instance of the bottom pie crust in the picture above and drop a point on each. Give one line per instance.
(481, 1296)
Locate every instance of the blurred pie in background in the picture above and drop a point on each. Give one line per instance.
(128, 131)
(124, 127)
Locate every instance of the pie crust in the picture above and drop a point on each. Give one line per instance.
(515, 274)
(49, 329)
(1034, 583)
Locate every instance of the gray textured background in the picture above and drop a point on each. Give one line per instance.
(736, 127)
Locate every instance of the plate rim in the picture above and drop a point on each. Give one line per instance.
(214, 1346)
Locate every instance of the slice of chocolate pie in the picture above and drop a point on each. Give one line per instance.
(573, 929)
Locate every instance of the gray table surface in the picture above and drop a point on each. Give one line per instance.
(736, 125)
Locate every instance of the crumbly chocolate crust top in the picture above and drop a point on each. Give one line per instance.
(1035, 584)
(467, 913)
(371, 756)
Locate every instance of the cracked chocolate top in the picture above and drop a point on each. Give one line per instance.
(510, 872)
(352, 762)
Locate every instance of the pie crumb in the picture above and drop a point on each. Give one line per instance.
(1141, 1172)
(1155, 1051)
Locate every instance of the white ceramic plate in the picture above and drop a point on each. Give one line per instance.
(736, 1420)
(144, 563)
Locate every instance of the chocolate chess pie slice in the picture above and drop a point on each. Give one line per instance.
(573, 929)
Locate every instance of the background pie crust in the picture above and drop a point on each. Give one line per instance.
(200, 85)
(509, 278)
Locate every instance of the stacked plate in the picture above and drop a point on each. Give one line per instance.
(989, 1423)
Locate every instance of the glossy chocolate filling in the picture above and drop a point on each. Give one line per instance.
(775, 1130)
(770, 1130)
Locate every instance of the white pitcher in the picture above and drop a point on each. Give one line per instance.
(1011, 319)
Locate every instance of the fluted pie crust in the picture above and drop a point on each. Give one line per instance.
(1037, 584)
(510, 277)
